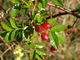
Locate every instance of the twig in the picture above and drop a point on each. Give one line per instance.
(65, 11)
(7, 50)
(1, 57)
(75, 22)
(61, 8)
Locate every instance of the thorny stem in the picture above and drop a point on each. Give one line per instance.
(61, 8)
(65, 11)
(75, 22)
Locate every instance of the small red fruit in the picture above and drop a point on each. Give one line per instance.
(68, 31)
(75, 31)
(39, 28)
(44, 36)
(52, 49)
(46, 25)
(78, 55)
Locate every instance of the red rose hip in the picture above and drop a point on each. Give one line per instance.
(39, 28)
(52, 49)
(75, 31)
(46, 25)
(44, 36)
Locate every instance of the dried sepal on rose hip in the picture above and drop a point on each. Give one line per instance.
(46, 25)
(39, 28)
(45, 36)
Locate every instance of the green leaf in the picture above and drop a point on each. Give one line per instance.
(78, 6)
(37, 45)
(38, 17)
(58, 2)
(39, 6)
(19, 35)
(26, 3)
(52, 21)
(7, 37)
(44, 13)
(33, 12)
(14, 12)
(25, 6)
(24, 11)
(41, 52)
(60, 37)
(6, 27)
(32, 54)
(25, 34)
(13, 23)
(58, 28)
(44, 3)
(39, 57)
(13, 34)
(53, 39)
(15, 1)
(34, 37)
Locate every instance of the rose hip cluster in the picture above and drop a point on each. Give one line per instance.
(41, 28)
(44, 35)
(74, 30)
